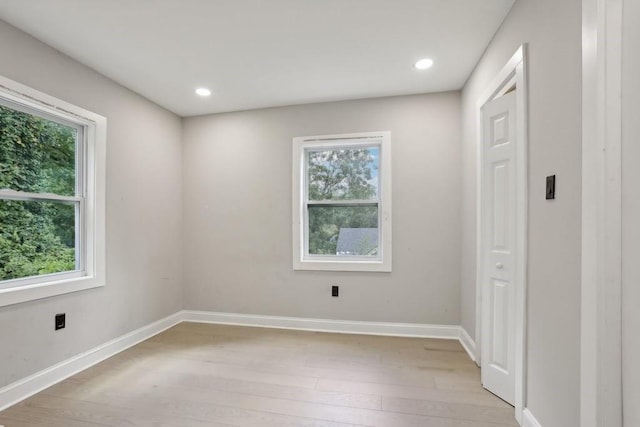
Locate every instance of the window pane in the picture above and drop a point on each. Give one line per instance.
(36, 155)
(343, 174)
(36, 238)
(343, 230)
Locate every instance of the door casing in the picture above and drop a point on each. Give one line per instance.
(601, 400)
(512, 74)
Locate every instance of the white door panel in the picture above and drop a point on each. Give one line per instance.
(498, 228)
(500, 318)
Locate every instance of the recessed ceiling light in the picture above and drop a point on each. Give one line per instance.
(203, 91)
(423, 64)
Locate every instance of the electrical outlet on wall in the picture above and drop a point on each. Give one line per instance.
(551, 187)
(61, 321)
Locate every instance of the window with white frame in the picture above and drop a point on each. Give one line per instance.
(52, 159)
(342, 202)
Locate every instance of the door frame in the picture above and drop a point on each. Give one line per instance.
(513, 73)
(601, 291)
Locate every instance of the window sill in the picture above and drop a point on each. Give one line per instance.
(347, 265)
(19, 294)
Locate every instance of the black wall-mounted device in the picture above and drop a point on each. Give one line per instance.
(334, 291)
(551, 187)
(60, 321)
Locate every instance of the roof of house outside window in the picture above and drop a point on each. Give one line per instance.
(357, 241)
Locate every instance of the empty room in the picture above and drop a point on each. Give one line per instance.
(319, 213)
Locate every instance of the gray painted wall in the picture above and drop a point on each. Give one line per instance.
(236, 171)
(631, 214)
(237, 198)
(144, 216)
(553, 31)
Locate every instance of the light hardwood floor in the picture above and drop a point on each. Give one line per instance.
(213, 375)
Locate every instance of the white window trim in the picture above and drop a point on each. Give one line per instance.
(92, 273)
(303, 262)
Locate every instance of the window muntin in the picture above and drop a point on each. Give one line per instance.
(342, 202)
(52, 178)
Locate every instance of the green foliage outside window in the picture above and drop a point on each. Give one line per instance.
(341, 174)
(36, 156)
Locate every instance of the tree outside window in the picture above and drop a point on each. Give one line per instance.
(342, 202)
(37, 157)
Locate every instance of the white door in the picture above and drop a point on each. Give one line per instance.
(498, 246)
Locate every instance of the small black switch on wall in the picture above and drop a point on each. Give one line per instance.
(60, 321)
(551, 187)
(334, 291)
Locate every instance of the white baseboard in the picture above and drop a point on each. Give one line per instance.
(325, 325)
(22, 389)
(528, 420)
(468, 344)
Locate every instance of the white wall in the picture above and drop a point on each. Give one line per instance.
(631, 214)
(553, 31)
(144, 264)
(237, 197)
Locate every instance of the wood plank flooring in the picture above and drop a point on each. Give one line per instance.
(213, 375)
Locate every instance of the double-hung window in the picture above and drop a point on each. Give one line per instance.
(342, 202)
(51, 195)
